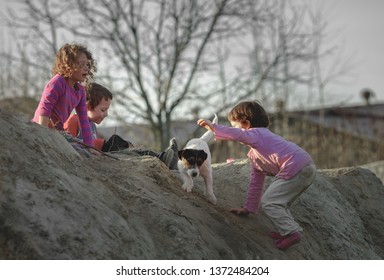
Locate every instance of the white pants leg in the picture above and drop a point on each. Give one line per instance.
(281, 194)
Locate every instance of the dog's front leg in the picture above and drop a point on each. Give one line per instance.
(187, 182)
(209, 187)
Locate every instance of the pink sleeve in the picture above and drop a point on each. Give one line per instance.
(85, 127)
(255, 190)
(244, 136)
(49, 99)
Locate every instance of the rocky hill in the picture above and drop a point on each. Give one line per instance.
(56, 204)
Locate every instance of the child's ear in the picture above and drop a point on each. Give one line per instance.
(247, 124)
(89, 107)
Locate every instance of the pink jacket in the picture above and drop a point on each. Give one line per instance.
(58, 101)
(269, 154)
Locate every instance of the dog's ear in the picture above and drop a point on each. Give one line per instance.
(180, 154)
(201, 154)
(185, 153)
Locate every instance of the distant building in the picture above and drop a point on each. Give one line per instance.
(365, 121)
(336, 136)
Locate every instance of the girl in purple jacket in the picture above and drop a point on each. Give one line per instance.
(74, 66)
(269, 154)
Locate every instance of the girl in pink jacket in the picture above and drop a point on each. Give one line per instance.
(73, 66)
(269, 154)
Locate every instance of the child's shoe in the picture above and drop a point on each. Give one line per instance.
(275, 235)
(174, 147)
(289, 240)
(167, 157)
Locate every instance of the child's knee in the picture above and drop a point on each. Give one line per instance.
(271, 205)
(266, 204)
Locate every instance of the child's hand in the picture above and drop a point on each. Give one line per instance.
(207, 124)
(240, 211)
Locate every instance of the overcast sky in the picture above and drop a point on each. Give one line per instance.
(361, 23)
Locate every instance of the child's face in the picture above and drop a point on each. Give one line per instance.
(243, 125)
(98, 113)
(82, 68)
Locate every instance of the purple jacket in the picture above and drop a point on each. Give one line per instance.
(58, 101)
(270, 154)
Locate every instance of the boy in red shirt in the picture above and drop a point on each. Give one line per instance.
(99, 100)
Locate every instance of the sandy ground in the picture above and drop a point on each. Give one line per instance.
(56, 204)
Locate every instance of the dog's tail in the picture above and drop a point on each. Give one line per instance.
(208, 136)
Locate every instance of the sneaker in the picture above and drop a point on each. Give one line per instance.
(275, 235)
(167, 157)
(289, 240)
(174, 147)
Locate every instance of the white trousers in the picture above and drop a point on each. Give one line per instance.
(281, 194)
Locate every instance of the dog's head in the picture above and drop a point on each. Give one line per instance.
(192, 160)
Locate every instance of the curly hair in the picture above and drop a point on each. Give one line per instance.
(250, 111)
(66, 58)
(95, 93)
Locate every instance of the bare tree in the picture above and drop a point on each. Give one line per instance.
(32, 44)
(339, 68)
(279, 55)
(163, 47)
(163, 55)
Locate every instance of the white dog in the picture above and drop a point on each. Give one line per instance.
(195, 160)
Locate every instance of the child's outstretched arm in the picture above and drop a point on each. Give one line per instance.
(207, 124)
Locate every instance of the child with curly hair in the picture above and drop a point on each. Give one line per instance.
(269, 154)
(73, 68)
